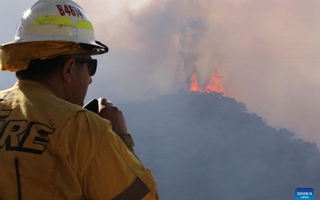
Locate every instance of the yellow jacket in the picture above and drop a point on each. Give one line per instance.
(52, 149)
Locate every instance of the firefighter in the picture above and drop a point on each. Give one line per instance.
(50, 146)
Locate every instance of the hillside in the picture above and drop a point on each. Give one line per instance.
(206, 146)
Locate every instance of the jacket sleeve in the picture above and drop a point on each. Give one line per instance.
(107, 169)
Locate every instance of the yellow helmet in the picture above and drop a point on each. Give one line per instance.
(60, 21)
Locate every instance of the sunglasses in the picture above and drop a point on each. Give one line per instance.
(92, 64)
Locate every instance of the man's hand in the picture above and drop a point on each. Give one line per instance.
(110, 112)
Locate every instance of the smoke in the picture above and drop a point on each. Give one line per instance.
(266, 52)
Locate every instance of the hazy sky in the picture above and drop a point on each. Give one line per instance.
(266, 51)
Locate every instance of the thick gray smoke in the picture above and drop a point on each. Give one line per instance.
(266, 52)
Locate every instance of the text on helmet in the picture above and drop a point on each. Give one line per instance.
(70, 10)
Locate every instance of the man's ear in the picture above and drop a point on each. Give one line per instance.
(68, 69)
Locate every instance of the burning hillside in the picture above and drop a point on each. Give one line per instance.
(207, 146)
(212, 84)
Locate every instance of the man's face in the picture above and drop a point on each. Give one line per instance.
(80, 83)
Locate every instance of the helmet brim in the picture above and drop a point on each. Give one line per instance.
(95, 49)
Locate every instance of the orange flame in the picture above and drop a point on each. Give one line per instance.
(194, 87)
(212, 85)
